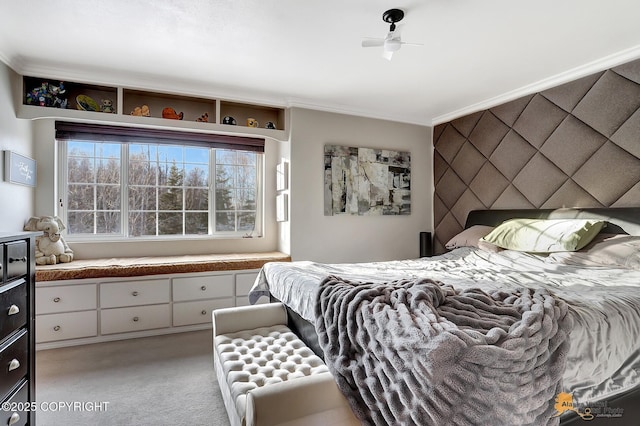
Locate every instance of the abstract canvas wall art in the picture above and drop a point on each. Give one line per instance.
(366, 181)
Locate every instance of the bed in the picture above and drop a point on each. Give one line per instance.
(594, 312)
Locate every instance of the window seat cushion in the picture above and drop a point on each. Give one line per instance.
(155, 265)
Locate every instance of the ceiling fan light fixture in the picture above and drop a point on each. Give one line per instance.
(392, 42)
(392, 45)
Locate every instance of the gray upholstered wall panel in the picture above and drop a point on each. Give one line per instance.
(575, 145)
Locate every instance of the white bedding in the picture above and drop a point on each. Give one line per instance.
(604, 359)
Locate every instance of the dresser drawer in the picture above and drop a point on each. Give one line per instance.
(66, 298)
(72, 325)
(132, 293)
(13, 307)
(13, 362)
(244, 282)
(205, 287)
(2, 268)
(18, 399)
(198, 312)
(16, 265)
(136, 318)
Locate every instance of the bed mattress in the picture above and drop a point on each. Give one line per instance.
(604, 358)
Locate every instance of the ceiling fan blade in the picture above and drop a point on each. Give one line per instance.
(372, 42)
(387, 55)
(411, 44)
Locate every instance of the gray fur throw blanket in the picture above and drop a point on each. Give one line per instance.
(418, 352)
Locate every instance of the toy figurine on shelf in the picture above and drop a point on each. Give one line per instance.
(204, 118)
(57, 94)
(107, 106)
(48, 95)
(141, 111)
(171, 113)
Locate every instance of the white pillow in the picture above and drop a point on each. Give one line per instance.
(620, 251)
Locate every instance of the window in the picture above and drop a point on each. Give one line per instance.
(140, 186)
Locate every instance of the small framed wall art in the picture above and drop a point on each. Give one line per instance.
(282, 175)
(19, 169)
(281, 207)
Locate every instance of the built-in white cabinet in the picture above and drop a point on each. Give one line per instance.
(67, 298)
(204, 287)
(197, 312)
(81, 311)
(195, 297)
(132, 293)
(68, 325)
(135, 318)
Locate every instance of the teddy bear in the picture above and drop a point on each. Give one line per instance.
(50, 248)
(141, 111)
(204, 118)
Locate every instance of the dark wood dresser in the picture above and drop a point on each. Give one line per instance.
(17, 328)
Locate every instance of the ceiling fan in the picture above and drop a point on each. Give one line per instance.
(392, 42)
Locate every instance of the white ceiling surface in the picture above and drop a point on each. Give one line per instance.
(475, 53)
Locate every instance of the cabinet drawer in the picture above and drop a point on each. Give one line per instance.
(244, 282)
(18, 399)
(137, 318)
(16, 259)
(72, 325)
(13, 362)
(66, 298)
(205, 287)
(198, 312)
(133, 293)
(13, 307)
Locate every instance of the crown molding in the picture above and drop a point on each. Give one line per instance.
(598, 65)
(337, 109)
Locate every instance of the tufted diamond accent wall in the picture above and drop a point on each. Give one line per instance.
(575, 145)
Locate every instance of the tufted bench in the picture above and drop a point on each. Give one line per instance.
(268, 376)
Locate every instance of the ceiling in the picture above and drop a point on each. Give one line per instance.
(475, 53)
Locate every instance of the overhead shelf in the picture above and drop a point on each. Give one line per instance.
(48, 98)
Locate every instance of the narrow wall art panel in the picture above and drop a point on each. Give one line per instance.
(366, 181)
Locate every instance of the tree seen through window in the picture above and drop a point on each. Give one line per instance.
(165, 187)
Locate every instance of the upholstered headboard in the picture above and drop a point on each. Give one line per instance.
(624, 220)
(574, 145)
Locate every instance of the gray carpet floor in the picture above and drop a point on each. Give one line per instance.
(162, 380)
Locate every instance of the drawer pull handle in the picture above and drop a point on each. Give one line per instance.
(203, 288)
(136, 319)
(13, 309)
(18, 259)
(56, 299)
(14, 364)
(134, 293)
(15, 418)
(56, 328)
(204, 312)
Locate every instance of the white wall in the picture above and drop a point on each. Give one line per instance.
(345, 238)
(16, 201)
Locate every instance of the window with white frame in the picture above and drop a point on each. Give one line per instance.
(118, 182)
